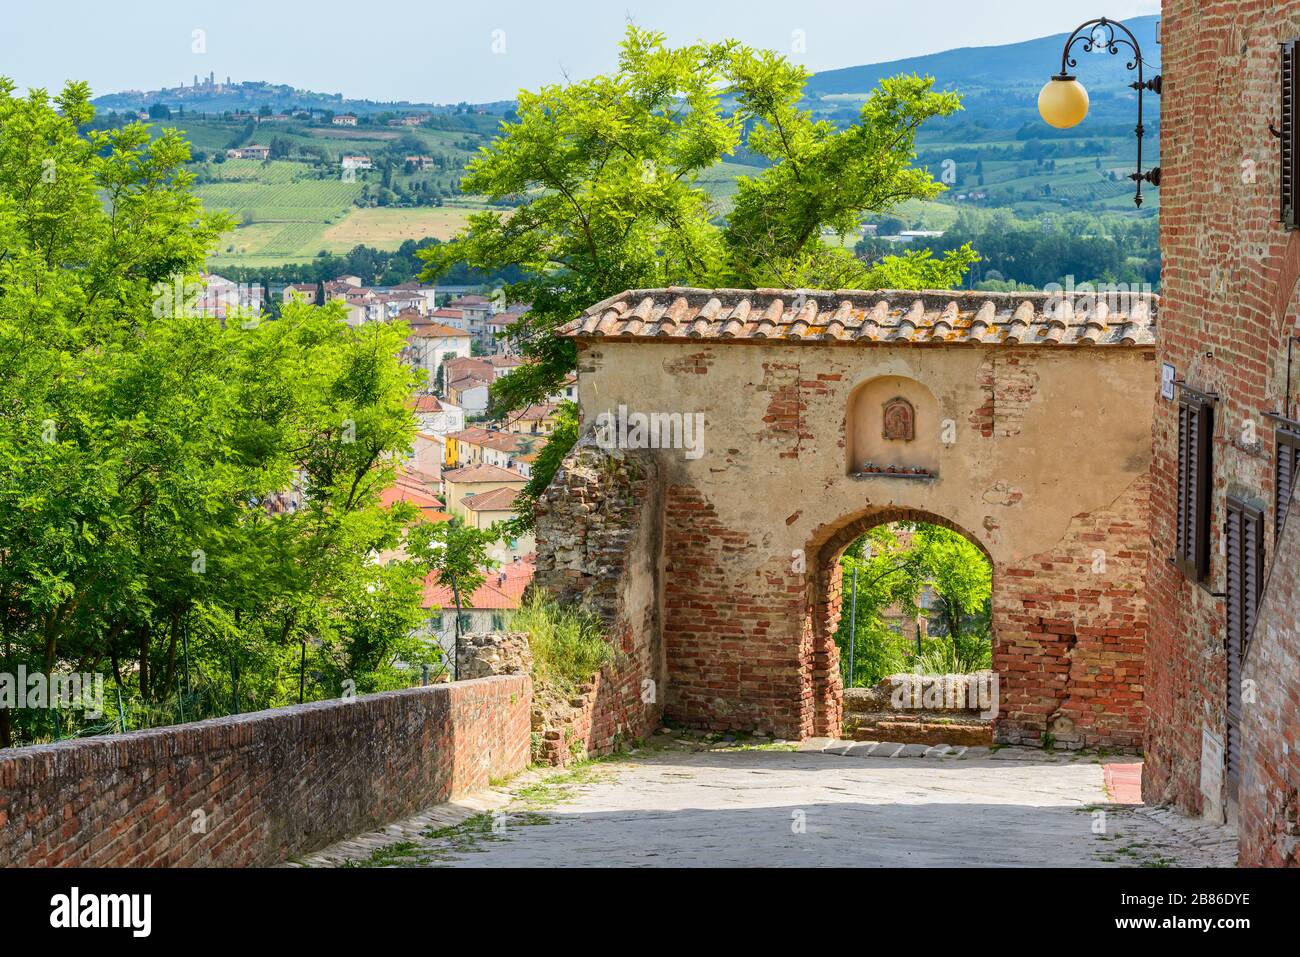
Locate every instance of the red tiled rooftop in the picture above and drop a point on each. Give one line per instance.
(865, 318)
(421, 499)
(497, 500)
(474, 474)
(435, 330)
(468, 381)
(535, 413)
(503, 589)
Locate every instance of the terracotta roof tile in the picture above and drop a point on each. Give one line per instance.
(503, 589)
(421, 329)
(853, 317)
(497, 500)
(471, 474)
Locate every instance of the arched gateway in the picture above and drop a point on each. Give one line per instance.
(736, 441)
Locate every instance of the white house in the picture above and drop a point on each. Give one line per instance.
(436, 416)
(430, 344)
(427, 293)
(470, 392)
(451, 317)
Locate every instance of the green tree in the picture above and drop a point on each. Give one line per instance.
(189, 504)
(457, 556)
(558, 443)
(962, 580)
(888, 574)
(604, 177)
(898, 566)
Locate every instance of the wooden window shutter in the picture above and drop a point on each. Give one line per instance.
(1290, 59)
(1286, 470)
(1244, 550)
(1192, 536)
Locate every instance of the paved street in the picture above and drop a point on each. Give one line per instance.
(678, 806)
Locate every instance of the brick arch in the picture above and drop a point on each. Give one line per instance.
(825, 595)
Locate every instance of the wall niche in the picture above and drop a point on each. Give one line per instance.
(893, 429)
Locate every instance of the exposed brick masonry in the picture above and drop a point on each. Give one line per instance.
(599, 532)
(1269, 822)
(1228, 303)
(256, 789)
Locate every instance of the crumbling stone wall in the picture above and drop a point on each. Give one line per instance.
(599, 538)
(494, 653)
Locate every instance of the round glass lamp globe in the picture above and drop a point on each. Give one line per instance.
(1063, 103)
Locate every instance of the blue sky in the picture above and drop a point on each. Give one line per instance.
(434, 50)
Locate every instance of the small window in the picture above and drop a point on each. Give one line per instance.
(1286, 470)
(1288, 127)
(1192, 538)
(1244, 558)
(435, 622)
(498, 622)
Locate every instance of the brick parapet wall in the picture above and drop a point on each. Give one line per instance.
(599, 533)
(257, 789)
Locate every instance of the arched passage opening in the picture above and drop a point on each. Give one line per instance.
(924, 609)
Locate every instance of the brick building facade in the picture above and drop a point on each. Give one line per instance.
(1228, 307)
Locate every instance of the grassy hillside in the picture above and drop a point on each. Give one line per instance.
(1025, 164)
(994, 154)
(291, 208)
(288, 212)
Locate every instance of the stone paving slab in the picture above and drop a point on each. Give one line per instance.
(413, 828)
(861, 749)
(895, 749)
(766, 807)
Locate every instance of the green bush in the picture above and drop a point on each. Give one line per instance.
(941, 656)
(568, 644)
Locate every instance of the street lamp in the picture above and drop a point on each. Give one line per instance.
(1063, 102)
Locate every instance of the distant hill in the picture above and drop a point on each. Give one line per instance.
(249, 96)
(996, 153)
(1005, 154)
(1013, 64)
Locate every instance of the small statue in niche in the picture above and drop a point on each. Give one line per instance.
(900, 420)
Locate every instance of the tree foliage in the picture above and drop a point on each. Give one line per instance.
(184, 503)
(1052, 247)
(605, 176)
(907, 570)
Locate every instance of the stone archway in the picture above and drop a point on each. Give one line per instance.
(1024, 424)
